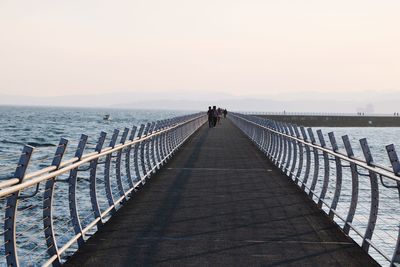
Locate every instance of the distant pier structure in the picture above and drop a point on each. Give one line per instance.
(334, 120)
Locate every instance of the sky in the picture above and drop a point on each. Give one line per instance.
(235, 48)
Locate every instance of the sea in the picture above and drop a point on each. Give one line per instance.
(42, 128)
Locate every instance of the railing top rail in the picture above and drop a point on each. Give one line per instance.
(12, 185)
(376, 168)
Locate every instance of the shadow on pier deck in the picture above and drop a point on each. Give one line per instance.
(219, 202)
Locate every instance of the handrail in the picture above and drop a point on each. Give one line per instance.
(76, 162)
(154, 144)
(381, 170)
(284, 144)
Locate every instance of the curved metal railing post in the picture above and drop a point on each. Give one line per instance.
(169, 141)
(292, 130)
(162, 148)
(301, 157)
(93, 171)
(354, 185)
(282, 159)
(157, 145)
(143, 152)
(151, 155)
(51, 242)
(107, 169)
(118, 165)
(128, 158)
(276, 145)
(374, 196)
(266, 140)
(272, 148)
(394, 161)
(280, 149)
(326, 169)
(72, 183)
(137, 154)
(316, 163)
(289, 149)
(173, 138)
(308, 159)
(262, 140)
(10, 243)
(338, 186)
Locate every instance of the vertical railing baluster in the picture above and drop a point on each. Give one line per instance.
(93, 181)
(326, 169)
(169, 140)
(273, 142)
(289, 148)
(316, 163)
(157, 145)
(338, 186)
(107, 169)
(308, 159)
(280, 149)
(118, 165)
(137, 154)
(276, 145)
(163, 152)
(394, 160)
(283, 158)
(271, 148)
(354, 185)
(143, 151)
(294, 145)
(72, 183)
(374, 196)
(262, 139)
(10, 242)
(150, 148)
(301, 156)
(128, 158)
(48, 196)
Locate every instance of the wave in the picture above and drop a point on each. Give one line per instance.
(34, 144)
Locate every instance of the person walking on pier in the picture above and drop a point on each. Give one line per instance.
(219, 113)
(210, 117)
(214, 115)
(225, 112)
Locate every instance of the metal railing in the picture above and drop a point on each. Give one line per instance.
(361, 196)
(48, 214)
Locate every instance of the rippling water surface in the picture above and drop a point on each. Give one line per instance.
(42, 127)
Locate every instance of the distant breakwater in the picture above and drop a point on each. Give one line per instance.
(337, 120)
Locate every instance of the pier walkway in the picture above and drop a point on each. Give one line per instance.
(219, 202)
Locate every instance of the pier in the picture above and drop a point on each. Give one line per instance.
(220, 203)
(249, 192)
(335, 120)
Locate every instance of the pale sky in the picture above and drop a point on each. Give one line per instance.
(237, 47)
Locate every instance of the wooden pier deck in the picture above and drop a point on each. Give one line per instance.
(219, 202)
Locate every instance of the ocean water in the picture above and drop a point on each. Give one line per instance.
(42, 127)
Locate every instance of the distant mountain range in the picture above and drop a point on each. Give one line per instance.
(305, 102)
